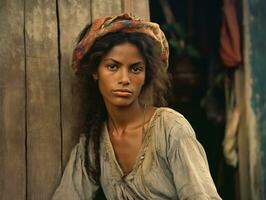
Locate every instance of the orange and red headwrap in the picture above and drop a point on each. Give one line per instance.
(120, 23)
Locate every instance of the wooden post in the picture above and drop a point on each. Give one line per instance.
(252, 152)
(73, 16)
(12, 101)
(43, 99)
(105, 8)
(141, 9)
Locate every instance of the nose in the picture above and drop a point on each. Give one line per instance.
(124, 78)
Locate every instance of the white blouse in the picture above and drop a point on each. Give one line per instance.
(171, 164)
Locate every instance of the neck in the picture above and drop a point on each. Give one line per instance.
(121, 118)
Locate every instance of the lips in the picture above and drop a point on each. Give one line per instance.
(122, 92)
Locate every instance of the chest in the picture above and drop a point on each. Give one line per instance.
(126, 149)
(141, 177)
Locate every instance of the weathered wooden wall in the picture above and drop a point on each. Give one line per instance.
(12, 101)
(257, 64)
(37, 103)
(252, 137)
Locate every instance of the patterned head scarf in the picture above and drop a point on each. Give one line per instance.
(120, 23)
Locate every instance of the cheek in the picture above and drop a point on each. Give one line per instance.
(103, 81)
(140, 82)
(103, 87)
(143, 79)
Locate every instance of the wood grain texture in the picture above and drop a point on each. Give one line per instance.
(73, 15)
(43, 99)
(105, 8)
(141, 9)
(12, 101)
(242, 136)
(127, 6)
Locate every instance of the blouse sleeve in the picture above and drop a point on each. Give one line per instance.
(188, 163)
(75, 183)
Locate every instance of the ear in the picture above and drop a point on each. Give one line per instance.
(95, 76)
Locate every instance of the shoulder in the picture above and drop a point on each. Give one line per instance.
(78, 150)
(173, 122)
(81, 143)
(169, 127)
(81, 148)
(165, 113)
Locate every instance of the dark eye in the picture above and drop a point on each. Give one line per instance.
(136, 69)
(112, 66)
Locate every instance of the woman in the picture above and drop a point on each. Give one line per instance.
(132, 148)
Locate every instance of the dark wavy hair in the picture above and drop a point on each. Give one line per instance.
(153, 92)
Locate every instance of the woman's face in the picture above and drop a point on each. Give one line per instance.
(121, 75)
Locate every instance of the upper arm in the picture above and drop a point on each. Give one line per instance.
(75, 183)
(187, 161)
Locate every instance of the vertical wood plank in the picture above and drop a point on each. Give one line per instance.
(127, 6)
(254, 66)
(137, 8)
(43, 99)
(243, 137)
(141, 9)
(12, 101)
(73, 15)
(105, 8)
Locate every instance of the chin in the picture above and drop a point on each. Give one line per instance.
(122, 103)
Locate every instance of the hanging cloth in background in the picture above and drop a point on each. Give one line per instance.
(230, 55)
(232, 120)
(229, 51)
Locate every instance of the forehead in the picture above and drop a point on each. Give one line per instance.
(124, 51)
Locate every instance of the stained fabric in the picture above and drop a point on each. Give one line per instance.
(230, 52)
(171, 164)
(233, 112)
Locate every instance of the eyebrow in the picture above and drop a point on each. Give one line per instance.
(117, 62)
